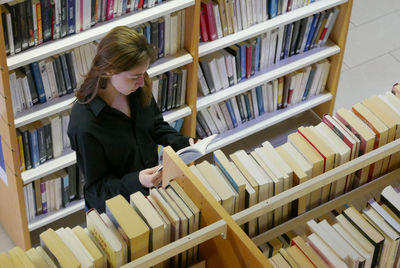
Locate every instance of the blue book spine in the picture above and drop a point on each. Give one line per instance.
(288, 39)
(147, 31)
(308, 85)
(242, 60)
(231, 112)
(257, 60)
(178, 124)
(260, 101)
(71, 17)
(124, 6)
(311, 32)
(34, 148)
(248, 109)
(37, 78)
(226, 173)
(272, 8)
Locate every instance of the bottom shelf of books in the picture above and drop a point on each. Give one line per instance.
(296, 205)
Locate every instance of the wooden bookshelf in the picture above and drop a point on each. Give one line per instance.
(12, 205)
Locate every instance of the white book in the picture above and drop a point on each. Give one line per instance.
(213, 66)
(58, 198)
(217, 19)
(64, 124)
(78, 21)
(210, 122)
(79, 79)
(229, 67)
(327, 253)
(264, 6)
(265, 97)
(167, 29)
(203, 180)
(182, 29)
(52, 79)
(27, 92)
(233, 62)
(219, 121)
(87, 14)
(236, 6)
(267, 48)
(236, 110)
(255, 102)
(324, 77)
(284, 6)
(79, 67)
(173, 34)
(249, 9)
(234, 18)
(13, 81)
(57, 7)
(263, 48)
(316, 80)
(45, 79)
(279, 43)
(20, 94)
(221, 116)
(26, 202)
(304, 80)
(270, 97)
(222, 71)
(275, 95)
(56, 135)
(225, 112)
(272, 47)
(31, 206)
(77, 248)
(243, 12)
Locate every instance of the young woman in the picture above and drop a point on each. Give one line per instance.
(115, 125)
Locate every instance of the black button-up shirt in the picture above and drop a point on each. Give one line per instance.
(111, 148)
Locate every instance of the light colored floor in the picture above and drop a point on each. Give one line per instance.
(371, 60)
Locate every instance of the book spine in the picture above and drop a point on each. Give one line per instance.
(248, 60)
(67, 77)
(231, 113)
(41, 145)
(34, 148)
(71, 17)
(38, 81)
(161, 40)
(43, 195)
(211, 27)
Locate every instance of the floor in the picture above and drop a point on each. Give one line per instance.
(371, 60)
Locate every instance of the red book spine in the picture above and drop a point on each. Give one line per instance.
(211, 27)
(110, 9)
(248, 60)
(140, 5)
(203, 26)
(290, 94)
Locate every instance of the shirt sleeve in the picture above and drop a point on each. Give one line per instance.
(100, 183)
(166, 135)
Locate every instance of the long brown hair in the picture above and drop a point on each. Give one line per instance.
(120, 50)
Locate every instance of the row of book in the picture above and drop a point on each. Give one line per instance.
(125, 232)
(43, 140)
(51, 20)
(169, 89)
(166, 33)
(255, 176)
(266, 98)
(53, 192)
(243, 60)
(51, 78)
(347, 238)
(221, 18)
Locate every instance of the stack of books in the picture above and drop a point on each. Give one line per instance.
(347, 238)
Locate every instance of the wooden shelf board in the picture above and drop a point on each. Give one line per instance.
(272, 72)
(297, 14)
(97, 32)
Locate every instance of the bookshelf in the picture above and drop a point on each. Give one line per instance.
(13, 218)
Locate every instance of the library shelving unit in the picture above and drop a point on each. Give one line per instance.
(220, 234)
(12, 206)
(12, 209)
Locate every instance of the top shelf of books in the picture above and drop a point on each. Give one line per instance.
(297, 14)
(60, 45)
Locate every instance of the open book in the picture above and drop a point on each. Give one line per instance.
(195, 151)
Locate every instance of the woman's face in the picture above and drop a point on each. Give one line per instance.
(129, 81)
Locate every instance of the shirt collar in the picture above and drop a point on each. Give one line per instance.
(97, 105)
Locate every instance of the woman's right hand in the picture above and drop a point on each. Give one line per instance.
(149, 177)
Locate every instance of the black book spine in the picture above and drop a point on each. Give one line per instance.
(161, 33)
(71, 170)
(24, 26)
(154, 34)
(46, 20)
(16, 28)
(64, 18)
(29, 17)
(27, 154)
(179, 75)
(6, 41)
(67, 77)
(42, 145)
(170, 91)
(71, 70)
(65, 190)
(49, 141)
(164, 93)
(93, 13)
(62, 90)
(31, 83)
(175, 90)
